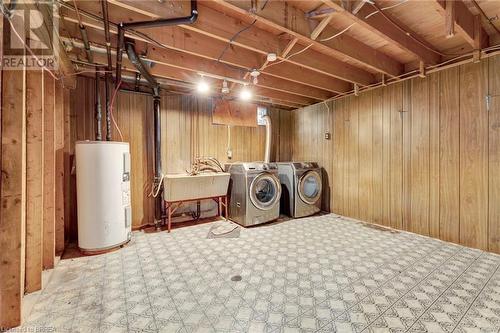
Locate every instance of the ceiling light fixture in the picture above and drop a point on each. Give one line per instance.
(272, 57)
(225, 88)
(254, 74)
(245, 94)
(202, 86)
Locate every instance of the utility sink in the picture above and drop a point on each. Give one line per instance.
(184, 187)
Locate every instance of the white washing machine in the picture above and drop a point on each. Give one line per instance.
(254, 193)
(302, 188)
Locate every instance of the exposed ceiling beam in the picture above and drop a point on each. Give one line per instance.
(196, 44)
(217, 25)
(282, 16)
(191, 74)
(208, 67)
(465, 23)
(387, 28)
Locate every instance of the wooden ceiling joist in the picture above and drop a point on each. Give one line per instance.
(465, 22)
(195, 44)
(212, 68)
(191, 74)
(222, 28)
(387, 29)
(282, 16)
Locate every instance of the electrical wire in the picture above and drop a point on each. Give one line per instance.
(337, 34)
(485, 16)
(111, 107)
(233, 38)
(287, 57)
(381, 11)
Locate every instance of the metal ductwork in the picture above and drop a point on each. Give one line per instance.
(134, 58)
(269, 133)
(150, 24)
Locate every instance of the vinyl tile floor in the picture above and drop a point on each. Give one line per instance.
(319, 274)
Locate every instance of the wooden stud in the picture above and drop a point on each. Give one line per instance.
(12, 196)
(49, 172)
(59, 168)
(34, 180)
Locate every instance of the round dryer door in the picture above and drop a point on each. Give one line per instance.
(265, 191)
(310, 187)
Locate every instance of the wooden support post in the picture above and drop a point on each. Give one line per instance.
(49, 173)
(13, 197)
(34, 180)
(59, 167)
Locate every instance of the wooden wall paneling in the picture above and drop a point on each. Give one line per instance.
(122, 107)
(377, 193)
(449, 155)
(49, 166)
(407, 150)
(285, 139)
(141, 149)
(473, 156)
(13, 197)
(352, 164)
(337, 174)
(365, 156)
(434, 154)
(327, 152)
(59, 166)
(34, 180)
(494, 155)
(387, 158)
(398, 115)
(418, 184)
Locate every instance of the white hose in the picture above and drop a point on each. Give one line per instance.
(267, 153)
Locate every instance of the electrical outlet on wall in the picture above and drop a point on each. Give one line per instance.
(328, 136)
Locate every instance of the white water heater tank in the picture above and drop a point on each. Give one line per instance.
(103, 194)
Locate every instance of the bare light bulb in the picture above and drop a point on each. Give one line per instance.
(202, 87)
(245, 94)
